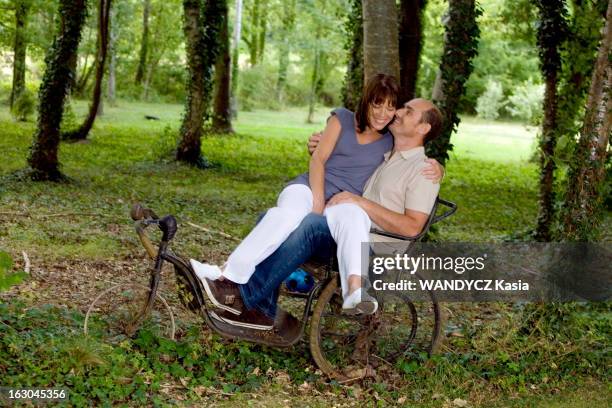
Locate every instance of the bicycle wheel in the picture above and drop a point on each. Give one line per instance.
(118, 313)
(348, 348)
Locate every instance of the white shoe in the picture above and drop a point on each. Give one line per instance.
(205, 271)
(359, 302)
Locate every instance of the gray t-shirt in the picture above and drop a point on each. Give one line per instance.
(350, 164)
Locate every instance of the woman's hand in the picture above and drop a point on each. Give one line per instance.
(434, 171)
(313, 141)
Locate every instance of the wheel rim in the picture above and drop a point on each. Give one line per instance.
(348, 348)
(117, 312)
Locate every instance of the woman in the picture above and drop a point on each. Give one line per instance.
(351, 148)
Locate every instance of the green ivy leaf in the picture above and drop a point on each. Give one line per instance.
(6, 263)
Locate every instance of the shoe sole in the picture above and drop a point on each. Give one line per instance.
(216, 302)
(241, 324)
(362, 308)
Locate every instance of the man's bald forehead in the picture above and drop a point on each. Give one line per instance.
(422, 104)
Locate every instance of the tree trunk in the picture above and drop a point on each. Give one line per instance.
(353, 80)
(144, 42)
(314, 80)
(460, 48)
(261, 30)
(112, 62)
(584, 198)
(235, 57)
(80, 81)
(20, 45)
(201, 27)
(284, 49)
(151, 66)
(551, 33)
(43, 152)
(253, 42)
(410, 36)
(380, 41)
(103, 24)
(222, 115)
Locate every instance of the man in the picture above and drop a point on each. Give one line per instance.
(397, 198)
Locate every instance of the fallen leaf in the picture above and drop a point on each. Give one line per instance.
(461, 403)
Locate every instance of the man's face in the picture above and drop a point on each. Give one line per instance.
(408, 118)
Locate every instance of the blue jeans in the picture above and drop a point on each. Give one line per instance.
(311, 238)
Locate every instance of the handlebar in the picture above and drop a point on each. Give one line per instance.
(145, 217)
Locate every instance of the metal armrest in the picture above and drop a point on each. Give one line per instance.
(433, 218)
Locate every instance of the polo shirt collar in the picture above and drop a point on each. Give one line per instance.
(406, 154)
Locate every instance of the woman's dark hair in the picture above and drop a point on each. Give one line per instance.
(380, 88)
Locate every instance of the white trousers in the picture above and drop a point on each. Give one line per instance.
(293, 204)
(350, 225)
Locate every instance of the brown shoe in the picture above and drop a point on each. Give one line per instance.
(224, 294)
(251, 319)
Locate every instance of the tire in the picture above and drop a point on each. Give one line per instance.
(117, 313)
(348, 348)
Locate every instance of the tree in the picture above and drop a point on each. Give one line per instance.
(222, 115)
(103, 25)
(410, 38)
(112, 63)
(201, 27)
(287, 27)
(552, 31)
(255, 32)
(235, 55)
(460, 48)
(20, 44)
(584, 198)
(353, 80)
(43, 152)
(144, 42)
(380, 38)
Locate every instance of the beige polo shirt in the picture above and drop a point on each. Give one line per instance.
(397, 184)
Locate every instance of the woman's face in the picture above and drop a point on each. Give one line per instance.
(380, 114)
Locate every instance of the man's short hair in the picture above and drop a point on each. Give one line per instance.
(434, 117)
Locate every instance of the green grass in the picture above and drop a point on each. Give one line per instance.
(127, 159)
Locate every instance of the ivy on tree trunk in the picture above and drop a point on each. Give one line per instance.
(552, 31)
(460, 48)
(353, 80)
(582, 212)
(95, 107)
(201, 27)
(51, 96)
(20, 45)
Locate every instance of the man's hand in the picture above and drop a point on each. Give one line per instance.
(313, 142)
(434, 171)
(344, 197)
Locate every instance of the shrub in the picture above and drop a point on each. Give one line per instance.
(8, 279)
(490, 101)
(526, 102)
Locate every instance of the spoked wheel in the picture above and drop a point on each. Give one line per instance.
(118, 313)
(349, 348)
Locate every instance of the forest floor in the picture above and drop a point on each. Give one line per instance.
(79, 240)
